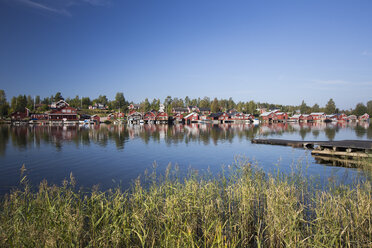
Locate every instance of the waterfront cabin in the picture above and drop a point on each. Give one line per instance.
(281, 116)
(192, 118)
(352, 118)
(268, 117)
(364, 117)
(214, 116)
(342, 117)
(317, 117)
(149, 116)
(135, 117)
(331, 118)
(18, 115)
(64, 114)
(224, 117)
(295, 118)
(178, 118)
(162, 117)
(306, 118)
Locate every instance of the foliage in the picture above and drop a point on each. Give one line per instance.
(330, 108)
(360, 109)
(247, 208)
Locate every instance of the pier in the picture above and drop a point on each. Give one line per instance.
(343, 148)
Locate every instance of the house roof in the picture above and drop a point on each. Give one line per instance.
(213, 115)
(319, 113)
(266, 113)
(193, 113)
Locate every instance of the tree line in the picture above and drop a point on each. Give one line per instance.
(119, 103)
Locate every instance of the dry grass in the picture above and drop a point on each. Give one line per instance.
(247, 208)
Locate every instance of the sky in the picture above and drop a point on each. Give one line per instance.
(280, 51)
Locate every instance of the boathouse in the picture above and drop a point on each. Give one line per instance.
(18, 115)
(66, 113)
(180, 110)
(318, 116)
(162, 117)
(192, 117)
(149, 116)
(364, 117)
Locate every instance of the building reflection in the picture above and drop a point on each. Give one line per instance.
(23, 137)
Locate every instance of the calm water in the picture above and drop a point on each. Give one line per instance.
(109, 155)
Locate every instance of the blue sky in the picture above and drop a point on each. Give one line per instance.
(267, 51)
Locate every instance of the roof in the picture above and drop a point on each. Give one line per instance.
(215, 114)
(204, 109)
(193, 113)
(266, 113)
(319, 113)
(295, 116)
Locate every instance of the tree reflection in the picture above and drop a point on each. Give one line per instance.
(23, 137)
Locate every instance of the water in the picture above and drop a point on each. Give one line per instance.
(109, 155)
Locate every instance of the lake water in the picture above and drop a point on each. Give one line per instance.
(109, 155)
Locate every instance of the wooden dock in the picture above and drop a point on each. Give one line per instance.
(341, 148)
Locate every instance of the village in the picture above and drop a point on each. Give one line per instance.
(61, 113)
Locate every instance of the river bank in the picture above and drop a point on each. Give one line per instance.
(243, 207)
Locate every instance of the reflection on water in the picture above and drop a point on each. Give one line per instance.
(100, 154)
(25, 136)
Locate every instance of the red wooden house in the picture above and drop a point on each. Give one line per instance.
(306, 118)
(149, 116)
(96, 119)
(268, 116)
(180, 110)
(17, 116)
(39, 117)
(342, 117)
(193, 117)
(282, 116)
(162, 116)
(364, 117)
(318, 116)
(224, 117)
(66, 113)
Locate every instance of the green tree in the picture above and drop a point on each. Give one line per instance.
(155, 104)
(187, 101)
(304, 109)
(37, 100)
(330, 108)
(360, 109)
(205, 102)
(4, 106)
(120, 102)
(58, 97)
(231, 104)
(315, 108)
(369, 108)
(85, 101)
(215, 106)
(145, 106)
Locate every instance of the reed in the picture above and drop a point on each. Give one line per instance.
(243, 207)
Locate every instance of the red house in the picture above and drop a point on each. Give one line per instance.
(318, 116)
(17, 116)
(149, 116)
(268, 116)
(306, 118)
(224, 117)
(342, 117)
(193, 117)
(352, 118)
(66, 113)
(281, 116)
(39, 116)
(162, 116)
(364, 117)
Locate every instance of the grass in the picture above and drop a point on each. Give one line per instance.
(243, 207)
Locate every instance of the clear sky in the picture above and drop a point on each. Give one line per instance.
(276, 51)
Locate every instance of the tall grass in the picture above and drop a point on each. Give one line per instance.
(242, 208)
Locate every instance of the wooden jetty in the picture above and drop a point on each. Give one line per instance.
(341, 148)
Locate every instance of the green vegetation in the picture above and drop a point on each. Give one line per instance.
(244, 207)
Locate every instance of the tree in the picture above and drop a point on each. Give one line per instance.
(58, 97)
(231, 104)
(85, 101)
(120, 102)
(155, 104)
(187, 101)
(369, 108)
(304, 109)
(330, 108)
(145, 106)
(215, 106)
(101, 100)
(205, 103)
(4, 106)
(360, 109)
(315, 108)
